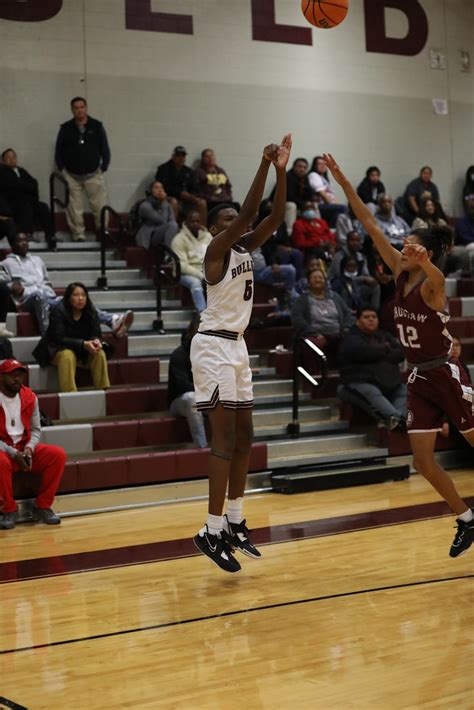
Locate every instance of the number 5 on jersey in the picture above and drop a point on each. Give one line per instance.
(248, 290)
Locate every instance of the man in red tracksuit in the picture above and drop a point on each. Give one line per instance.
(20, 450)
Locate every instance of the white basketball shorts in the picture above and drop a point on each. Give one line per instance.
(221, 372)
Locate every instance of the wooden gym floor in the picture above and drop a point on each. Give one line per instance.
(355, 604)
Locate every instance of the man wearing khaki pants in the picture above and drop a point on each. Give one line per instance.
(83, 155)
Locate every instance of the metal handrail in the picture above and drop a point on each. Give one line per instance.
(54, 199)
(106, 209)
(163, 253)
(293, 427)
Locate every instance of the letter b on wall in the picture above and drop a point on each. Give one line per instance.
(376, 38)
(29, 11)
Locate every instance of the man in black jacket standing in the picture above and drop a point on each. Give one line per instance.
(181, 397)
(83, 156)
(369, 361)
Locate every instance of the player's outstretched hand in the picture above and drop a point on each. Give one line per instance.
(270, 152)
(334, 168)
(416, 251)
(284, 150)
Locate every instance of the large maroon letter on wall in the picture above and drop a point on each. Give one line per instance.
(138, 16)
(29, 11)
(377, 40)
(265, 29)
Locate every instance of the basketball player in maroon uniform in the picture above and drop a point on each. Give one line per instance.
(434, 384)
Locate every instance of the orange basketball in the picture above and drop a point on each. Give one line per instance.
(325, 13)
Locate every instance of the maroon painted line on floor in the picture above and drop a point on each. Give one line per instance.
(22, 570)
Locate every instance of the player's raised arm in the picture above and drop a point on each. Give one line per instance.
(390, 255)
(223, 241)
(267, 226)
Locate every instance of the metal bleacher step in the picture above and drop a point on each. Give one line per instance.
(342, 476)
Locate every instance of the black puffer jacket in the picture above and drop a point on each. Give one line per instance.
(371, 358)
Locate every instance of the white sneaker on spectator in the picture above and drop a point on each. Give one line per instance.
(121, 324)
(4, 333)
(78, 237)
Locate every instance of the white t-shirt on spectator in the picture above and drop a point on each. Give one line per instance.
(319, 184)
(12, 408)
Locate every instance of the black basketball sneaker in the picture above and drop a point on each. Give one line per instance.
(217, 549)
(463, 539)
(238, 537)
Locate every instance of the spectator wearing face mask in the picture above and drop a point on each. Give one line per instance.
(311, 234)
(356, 289)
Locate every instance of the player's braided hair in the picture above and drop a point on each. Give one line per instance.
(439, 240)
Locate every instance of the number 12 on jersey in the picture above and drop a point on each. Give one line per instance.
(408, 336)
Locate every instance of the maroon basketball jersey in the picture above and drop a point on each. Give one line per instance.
(421, 330)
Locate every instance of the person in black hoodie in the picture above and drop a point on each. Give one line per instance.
(369, 361)
(21, 193)
(371, 187)
(83, 155)
(181, 397)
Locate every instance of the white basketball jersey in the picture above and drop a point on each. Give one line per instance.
(230, 301)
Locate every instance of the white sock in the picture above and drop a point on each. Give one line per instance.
(467, 516)
(234, 510)
(214, 524)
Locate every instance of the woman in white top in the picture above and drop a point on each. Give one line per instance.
(323, 194)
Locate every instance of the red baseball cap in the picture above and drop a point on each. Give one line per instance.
(10, 366)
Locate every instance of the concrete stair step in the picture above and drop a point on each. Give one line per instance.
(66, 246)
(325, 458)
(306, 428)
(315, 445)
(272, 387)
(282, 416)
(136, 299)
(80, 259)
(116, 278)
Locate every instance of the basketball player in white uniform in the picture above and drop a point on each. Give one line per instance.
(220, 361)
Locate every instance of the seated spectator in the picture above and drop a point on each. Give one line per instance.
(429, 215)
(311, 234)
(212, 182)
(369, 360)
(302, 285)
(371, 188)
(323, 193)
(468, 189)
(320, 313)
(384, 278)
(418, 189)
(156, 217)
(27, 278)
(298, 191)
(278, 249)
(181, 396)
(190, 246)
(73, 340)
(353, 247)
(179, 183)
(21, 450)
(20, 191)
(463, 251)
(455, 356)
(356, 289)
(393, 226)
(346, 223)
(278, 275)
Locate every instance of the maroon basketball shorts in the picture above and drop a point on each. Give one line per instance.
(437, 393)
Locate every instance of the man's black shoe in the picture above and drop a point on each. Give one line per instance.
(463, 539)
(8, 520)
(217, 549)
(238, 537)
(45, 515)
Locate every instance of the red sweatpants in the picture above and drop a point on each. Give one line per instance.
(48, 461)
